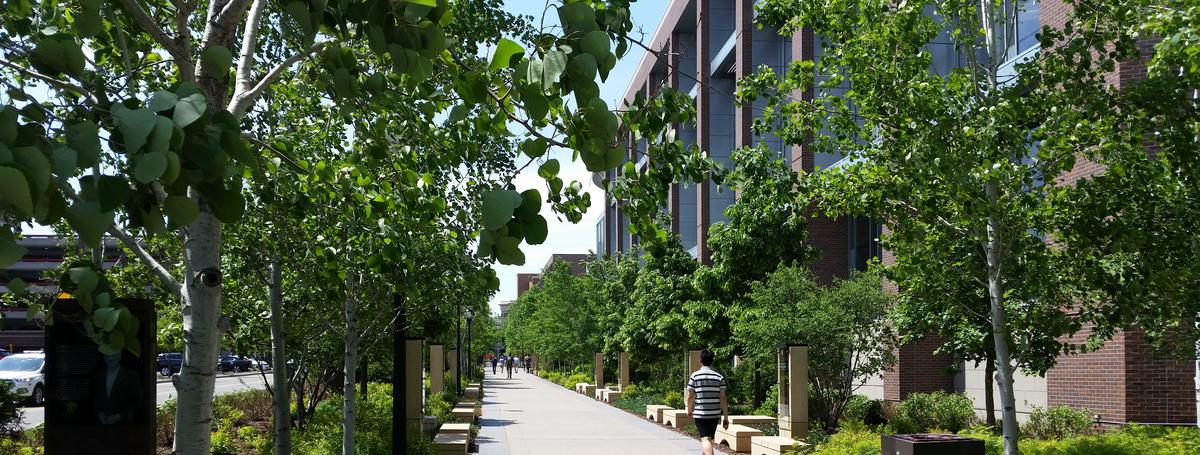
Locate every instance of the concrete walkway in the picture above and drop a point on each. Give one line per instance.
(527, 415)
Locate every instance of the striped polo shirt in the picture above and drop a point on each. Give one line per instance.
(707, 385)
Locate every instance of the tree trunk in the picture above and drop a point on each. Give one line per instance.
(350, 367)
(300, 403)
(989, 394)
(999, 320)
(201, 333)
(362, 377)
(283, 412)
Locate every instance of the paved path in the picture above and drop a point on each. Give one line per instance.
(527, 415)
(32, 417)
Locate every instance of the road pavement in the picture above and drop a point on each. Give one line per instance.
(225, 384)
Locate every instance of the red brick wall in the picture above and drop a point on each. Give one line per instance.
(526, 281)
(1093, 380)
(918, 369)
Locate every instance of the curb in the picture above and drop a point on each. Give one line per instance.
(218, 376)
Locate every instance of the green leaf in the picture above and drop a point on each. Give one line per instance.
(150, 166)
(85, 279)
(508, 251)
(90, 224)
(181, 210)
(10, 252)
(135, 125)
(498, 207)
(549, 169)
(162, 100)
(531, 204)
(429, 3)
(88, 23)
(215, 62)
(597, 44)
(108, 194)
(536, 230)
(8, 125)
(65, 160)
(106, 318)
(16, 285)
(536, 105)
(188, 110)
(36, 167)
(505, 51)
(230, 207)
(84, 139)
(552, 67)
(534, 148)
(14, 190)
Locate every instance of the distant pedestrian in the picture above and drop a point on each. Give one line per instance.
(510, 367)
(494, 362)
(528, 363)
(706, 401)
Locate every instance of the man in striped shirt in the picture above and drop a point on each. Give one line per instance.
(706, 401)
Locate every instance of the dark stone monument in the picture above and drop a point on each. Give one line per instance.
(930, 444)
(99, 404)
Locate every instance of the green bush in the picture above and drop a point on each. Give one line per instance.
(373, 427)
(674, 399)
(864, 410)
(1057, 422)
(440, 405)
(770, 404)
(10, 410)
(1127, 440)
(922, 412)
(851, 442)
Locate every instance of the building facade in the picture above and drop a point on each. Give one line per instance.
(703, 46)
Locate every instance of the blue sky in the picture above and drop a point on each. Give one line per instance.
(566, 237)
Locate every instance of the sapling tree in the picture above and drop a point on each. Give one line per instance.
(969, 167)
(146, 118)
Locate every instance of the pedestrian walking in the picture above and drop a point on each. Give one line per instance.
(510, 367)
(528, 363)
(706, 401)
(494, 362)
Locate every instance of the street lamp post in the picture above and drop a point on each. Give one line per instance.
(470, 360)
(458, 349)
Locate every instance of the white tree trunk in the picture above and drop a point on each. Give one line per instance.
(283, 412)
(1000, 334)
(349, 368)
(201, 334)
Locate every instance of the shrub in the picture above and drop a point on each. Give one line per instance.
(851, 442)
(440, 405)
(1127, 440)
(770, 404)
(323, 434)
(864, 410)
(674, 399)
(922, 412)
(10, 410)
(1057, 422)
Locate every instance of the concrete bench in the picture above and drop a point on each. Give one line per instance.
(429, 424)
(676, 418)
(455, 428)
(775, 445)
(581, 387)
(451, 443)
(463, 413)
(753, 421)
(610, 395)
(737, 437)
(471, 404)
(471, 394)
(654, 412)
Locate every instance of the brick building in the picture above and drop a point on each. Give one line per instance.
(704, 46)
(526, 281)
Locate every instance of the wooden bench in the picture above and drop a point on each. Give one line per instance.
(737, 437)
(676, 418)
(455, 428)
(654, 412)
(758, 422)
(775, 445)
(451, 443)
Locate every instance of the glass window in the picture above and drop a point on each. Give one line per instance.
(1018, 27)
(864, 243)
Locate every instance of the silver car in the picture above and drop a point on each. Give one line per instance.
(27, 374)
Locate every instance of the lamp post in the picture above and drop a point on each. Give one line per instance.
(458, 349)
(470, 360)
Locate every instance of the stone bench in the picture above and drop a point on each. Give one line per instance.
(429, 425)
(471, 404)
(676, 418)
(774, 445)
(464, 414)
(737, 437)
(753, 421)
(471, 394)
(451, 443)
(455, 428)
(610, 395)
(585, 388)
(654, 412)
(580, 386)
(601, 394)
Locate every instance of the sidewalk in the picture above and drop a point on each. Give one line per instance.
(529, 415)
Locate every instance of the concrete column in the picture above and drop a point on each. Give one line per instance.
(413, 390)
(793, 406)
(693, 364)
(453, 367)
(437, 368)
(743, 66)
(673, 52)
(623, 370)
(703, 104)
(598, 370)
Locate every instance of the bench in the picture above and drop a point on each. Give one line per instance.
(610, 395)
(753, 421)
(429, 425)
(451, 443)
(455, 428)
(582, 387)
(471, 394)
(464, 414)
(737, 437)
(654, 412)
(775, 445)
(471, 404)
(676, 418)
(602, 394)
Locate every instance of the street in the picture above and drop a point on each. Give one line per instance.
(225, 384)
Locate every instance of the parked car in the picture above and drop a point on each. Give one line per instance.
(227, 363)
(169, 363)
(27, 374)
(4, 353)
(261, 365)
